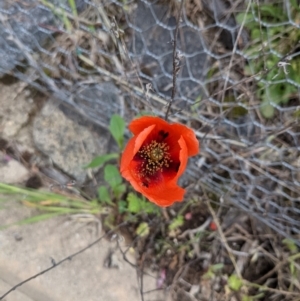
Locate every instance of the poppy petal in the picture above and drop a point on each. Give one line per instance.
(162, 195)
(126, 173)
(127, 154)
(189, 137)
(142, 136)
(183, 157)
(139, 124)
(133, 147)
(166, 195)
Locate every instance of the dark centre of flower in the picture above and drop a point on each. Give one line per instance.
(156, 156)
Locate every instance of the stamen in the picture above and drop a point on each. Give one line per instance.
(156, 156)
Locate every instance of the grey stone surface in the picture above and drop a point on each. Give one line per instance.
(11, 171)
(27, 21)
(99, 101)
(29, 249)
(16, 105)
(7, 281)
(69, 145)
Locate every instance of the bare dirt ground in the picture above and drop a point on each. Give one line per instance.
(27, 250)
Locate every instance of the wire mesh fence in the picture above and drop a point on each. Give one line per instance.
(238, 83)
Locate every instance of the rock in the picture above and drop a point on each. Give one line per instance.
(69, 145)
(24, 140)
(99, 102)
(16, 108)
(29, 22)
(151, 44)
(11, 171)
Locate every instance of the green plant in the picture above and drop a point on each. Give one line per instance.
(51, 204)
(273, 37)
(137, 204)
(143, 229)
(73, 7)
(115, 187)
(293, 267)
(235, 283)
(117, 128)
(62, 14)
(212, 270)
(177, 222)
(253, 298)
(101, 160)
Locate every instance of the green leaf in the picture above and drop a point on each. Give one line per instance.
(235, 283)
(212, 269)
(244, 17)
(119, 190)
(253, 298)
(104, 196)
(208, 275)
(137, 204)
(112, 175)
(117, 129)
(143, 229)
(292, 268)
(291, 245)
(99, 161)
(177, 222)
(122, 206)
(272, 12)
(134, 203)
(267, 109)
(149, 207)
(295, 5)
(217, 267)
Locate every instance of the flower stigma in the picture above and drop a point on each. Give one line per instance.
(156, 156)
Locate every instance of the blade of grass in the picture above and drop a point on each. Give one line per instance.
(45, 200)
(60, 13)
(33, 219)
(51, 203)
(73, 7)
(38, 195)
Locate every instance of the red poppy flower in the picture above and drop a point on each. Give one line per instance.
(156, 157)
